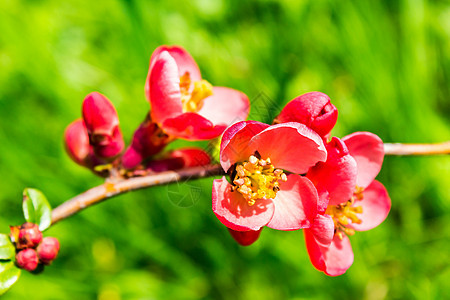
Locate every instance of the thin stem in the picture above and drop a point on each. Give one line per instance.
(113, 188)
(417, 149)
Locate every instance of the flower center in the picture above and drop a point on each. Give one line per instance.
(193, 100)
(257, 179)
(343, 213)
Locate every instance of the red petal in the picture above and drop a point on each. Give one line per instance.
(376, 205)
(193, 127)
(233, 210)
(184, 61)
(191, 157)
(323, 230)
(164, 88)
(226, 106)
(290, 146)
(314, 250)
(99, 115)
(113, 147)
(178, 159)
(335, 178)
(367, 149)
(235, 139)
(245, 238)
(312, 109)
(333, 260)
(295, 204)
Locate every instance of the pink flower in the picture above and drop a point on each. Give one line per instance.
(183, 104)
(355, 204)
(102, 124)
(261, 193)
(313, 109)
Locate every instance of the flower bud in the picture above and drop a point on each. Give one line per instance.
(313, 109)
(27, 259)
(48, 250)
(29, 236)
(76, 140)
(148, 140)
(102, 124)
(245, 238)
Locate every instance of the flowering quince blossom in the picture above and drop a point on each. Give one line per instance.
(261, 194)
(183, 104)
(357, 203)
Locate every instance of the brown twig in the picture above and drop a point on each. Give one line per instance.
(113, 188)
(417, 149)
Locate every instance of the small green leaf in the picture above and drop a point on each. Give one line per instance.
(7, 249)
(36, 208)
(9, 274)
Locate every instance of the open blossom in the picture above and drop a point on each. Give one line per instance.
(358, 204)
(256, 155)
(183, 104)
(313, 109)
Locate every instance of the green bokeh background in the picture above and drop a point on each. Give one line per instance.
(385, 65)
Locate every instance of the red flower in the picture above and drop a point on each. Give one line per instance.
(185, 105)
(360, 203)
(313, 109)
(261, 194)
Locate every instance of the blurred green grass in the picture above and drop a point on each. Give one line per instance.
(385, 65)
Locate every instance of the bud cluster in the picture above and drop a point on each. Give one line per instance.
(32, 249)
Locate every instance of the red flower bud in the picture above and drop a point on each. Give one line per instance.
(27, 259)
(245, 238)
(102, 124)
(48, 250)
(29, 236)
(312, 109)
(148, 140)
(76, 140)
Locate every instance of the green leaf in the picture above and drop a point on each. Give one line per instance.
(7, 249)
(9, 274)
(36, 208)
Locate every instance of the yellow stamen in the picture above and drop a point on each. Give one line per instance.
(257, 179)
(193, 100)
(343, 215)
(358, 194)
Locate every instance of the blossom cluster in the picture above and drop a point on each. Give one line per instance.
(32, 249)
(293, 175)
(183, 106)
(288, 175)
